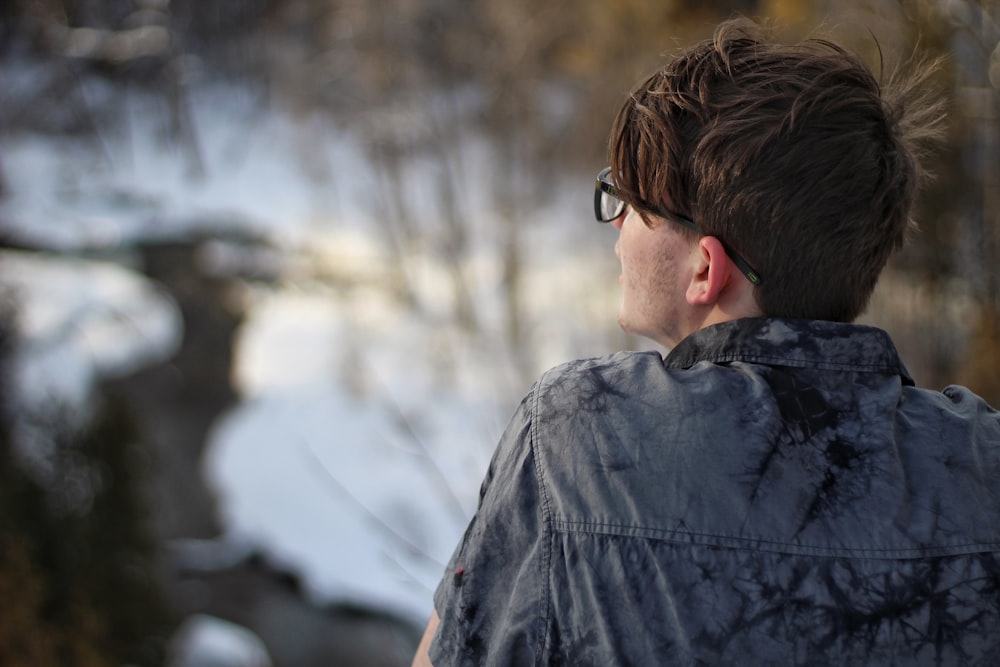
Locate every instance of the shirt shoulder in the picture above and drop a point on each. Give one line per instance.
(575, 388)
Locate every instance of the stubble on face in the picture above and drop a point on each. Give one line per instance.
(653, 294)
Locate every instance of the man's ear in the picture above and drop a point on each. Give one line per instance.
(711, 274)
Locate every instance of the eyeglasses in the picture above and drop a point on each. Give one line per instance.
(609, 206)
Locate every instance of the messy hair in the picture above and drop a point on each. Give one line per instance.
(795, 156)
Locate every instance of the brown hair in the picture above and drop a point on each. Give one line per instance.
(794, 156)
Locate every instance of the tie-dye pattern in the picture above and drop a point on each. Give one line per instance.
(773, 492)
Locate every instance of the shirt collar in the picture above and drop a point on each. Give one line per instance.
(834, 346)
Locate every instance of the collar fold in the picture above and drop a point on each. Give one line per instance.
(835, 346)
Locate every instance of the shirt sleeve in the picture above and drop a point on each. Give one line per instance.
(493, 598)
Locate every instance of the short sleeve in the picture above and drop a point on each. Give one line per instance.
(492, 599)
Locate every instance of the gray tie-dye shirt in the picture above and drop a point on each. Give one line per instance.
(773, 492)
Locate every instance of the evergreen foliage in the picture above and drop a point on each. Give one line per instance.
(76, 562)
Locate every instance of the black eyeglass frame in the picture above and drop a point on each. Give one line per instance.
(605, 187)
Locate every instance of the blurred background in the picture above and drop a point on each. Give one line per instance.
(274, 273)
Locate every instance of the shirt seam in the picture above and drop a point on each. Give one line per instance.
(797, 362)
(681, 536)
(548, 536)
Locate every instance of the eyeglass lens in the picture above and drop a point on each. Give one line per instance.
(607, 206)
(611, 207)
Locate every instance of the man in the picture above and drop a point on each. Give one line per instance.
(775, 490)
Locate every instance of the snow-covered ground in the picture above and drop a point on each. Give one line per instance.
(366, 424)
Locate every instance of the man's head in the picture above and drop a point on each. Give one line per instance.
(794, 157)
